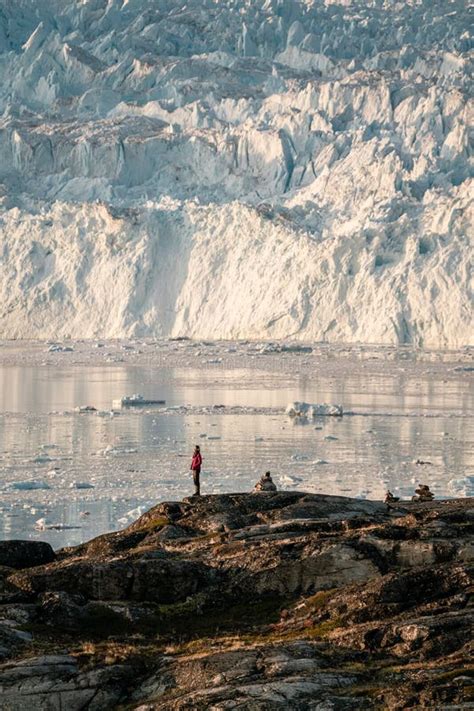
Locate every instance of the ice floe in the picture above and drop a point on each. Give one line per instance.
(308, 411)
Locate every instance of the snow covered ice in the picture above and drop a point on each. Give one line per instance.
(267, 169)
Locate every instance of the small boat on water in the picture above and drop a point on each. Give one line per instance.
(135, 401)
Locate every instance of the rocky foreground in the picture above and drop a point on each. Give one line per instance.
(246, 601)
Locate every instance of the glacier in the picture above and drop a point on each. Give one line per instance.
(236, 169)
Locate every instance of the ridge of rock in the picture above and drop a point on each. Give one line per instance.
(258, 601)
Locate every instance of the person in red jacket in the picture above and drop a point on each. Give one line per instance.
(196, 469)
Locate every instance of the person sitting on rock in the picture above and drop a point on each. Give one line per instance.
(390, 498)
(265, 483)
(423, 493)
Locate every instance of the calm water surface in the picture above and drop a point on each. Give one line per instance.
(49, 452)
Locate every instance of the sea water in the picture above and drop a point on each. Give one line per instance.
(67, 475)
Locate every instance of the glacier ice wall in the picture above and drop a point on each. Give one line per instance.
(231, 168)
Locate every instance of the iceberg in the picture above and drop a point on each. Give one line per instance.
(308, 411)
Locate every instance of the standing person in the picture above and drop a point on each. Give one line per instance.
(196, 469)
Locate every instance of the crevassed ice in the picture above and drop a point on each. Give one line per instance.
(265, 169)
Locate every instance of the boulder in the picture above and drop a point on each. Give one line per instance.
(25, 554)
(57, 682)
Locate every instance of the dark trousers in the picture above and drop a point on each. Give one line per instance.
(197, 483)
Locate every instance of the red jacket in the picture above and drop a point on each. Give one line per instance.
(196, 461)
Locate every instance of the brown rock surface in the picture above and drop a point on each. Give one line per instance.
(249, 601)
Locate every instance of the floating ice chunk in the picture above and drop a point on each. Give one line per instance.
(30, 485)
(287, 479)
(308, 411)
(295, 348)
(461, 487)
(58, 348)
(132, 515)
(41, 525)
(42, 459)
(117, 451)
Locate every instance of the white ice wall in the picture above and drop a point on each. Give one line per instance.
(222, 169)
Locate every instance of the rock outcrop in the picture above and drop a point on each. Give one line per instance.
(249, 601)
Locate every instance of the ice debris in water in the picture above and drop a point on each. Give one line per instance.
(308, 411)
(131, 515)
(298, 457)
(290, 480)
(42, 525)
(30, 485)
(116, 451)
(57, 348)
(462, 487)
(240, 170)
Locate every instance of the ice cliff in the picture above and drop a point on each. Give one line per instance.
(236, 168)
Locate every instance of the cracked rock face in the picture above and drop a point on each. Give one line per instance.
(249, 601)
(267, 169)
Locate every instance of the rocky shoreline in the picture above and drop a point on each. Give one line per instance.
(247, 601)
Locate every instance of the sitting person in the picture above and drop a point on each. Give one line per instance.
(265, 483)
(390, 498)
(423, 493)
